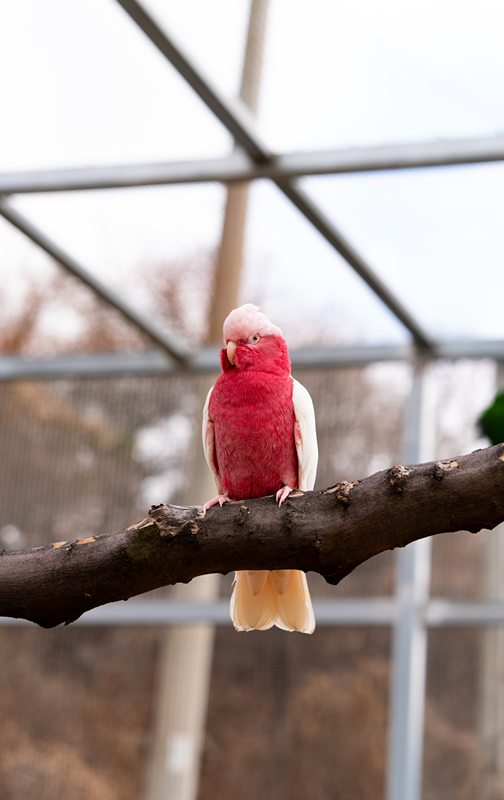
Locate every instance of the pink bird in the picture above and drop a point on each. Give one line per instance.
(259, 439)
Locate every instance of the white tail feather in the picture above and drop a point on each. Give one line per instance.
(252, 612)
(295, 610)
(280, 578)
(292, 610)
(256, 578)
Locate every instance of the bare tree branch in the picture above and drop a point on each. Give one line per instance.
(330, 532)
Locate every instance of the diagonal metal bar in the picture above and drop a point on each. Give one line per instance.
(234, 116)
(239, 125)
(318, 219)
(239, 167)
(172, 345)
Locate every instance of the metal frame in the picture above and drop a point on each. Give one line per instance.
(206, 360)
(410, 633)
(375, 611)
(280, 169)
(236, 119)
(256, 162)
(238, 167)
(167, 342)
(410, 612)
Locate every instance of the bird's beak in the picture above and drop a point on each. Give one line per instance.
(231, 350)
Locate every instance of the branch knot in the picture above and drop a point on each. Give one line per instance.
(342, 490)
(398, 476)
(441, 468)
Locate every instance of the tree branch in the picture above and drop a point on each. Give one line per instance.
(330, 532)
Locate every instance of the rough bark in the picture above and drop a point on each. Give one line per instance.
(330, 532)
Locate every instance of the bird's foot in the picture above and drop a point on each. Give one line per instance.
(282, 494)
(220, 499)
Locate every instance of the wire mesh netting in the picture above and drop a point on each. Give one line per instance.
(298, 717)
(86, 456)
(298, 714)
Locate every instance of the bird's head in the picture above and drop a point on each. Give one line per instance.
(253, 342)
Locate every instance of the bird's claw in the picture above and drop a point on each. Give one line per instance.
(282, 494)
(220, 499)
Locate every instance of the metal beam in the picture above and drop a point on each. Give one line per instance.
(448, 613)
(375, 611)
(234, 168)
(171, 344)
(239, 125)
(206, 360)
(413, 155)
(238, 167)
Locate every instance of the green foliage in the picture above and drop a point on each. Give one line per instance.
(492, 420)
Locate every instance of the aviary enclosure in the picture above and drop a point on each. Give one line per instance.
(341, 168)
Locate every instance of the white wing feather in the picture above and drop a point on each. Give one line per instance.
(209, 442)
(306, 442)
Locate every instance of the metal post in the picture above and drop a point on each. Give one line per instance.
(491, 689)
(181, 701)
(410, 635)
(226, 289)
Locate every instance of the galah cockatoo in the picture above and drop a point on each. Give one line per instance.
(259, 439)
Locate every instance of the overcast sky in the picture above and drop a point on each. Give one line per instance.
(82, 85)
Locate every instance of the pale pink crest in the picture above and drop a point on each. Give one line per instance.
(247, 320)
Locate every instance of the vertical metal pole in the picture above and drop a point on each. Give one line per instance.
(181, 701)
(491, 690)
(228, 270)
(410, 635)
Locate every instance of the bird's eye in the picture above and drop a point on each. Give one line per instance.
(254, 338)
